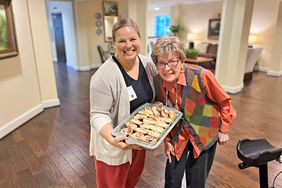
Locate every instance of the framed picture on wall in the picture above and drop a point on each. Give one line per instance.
(110, 8)
(8, 43)
(214, 28)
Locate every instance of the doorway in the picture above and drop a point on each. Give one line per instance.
(59, 37)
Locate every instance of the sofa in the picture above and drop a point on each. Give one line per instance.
(209, 50)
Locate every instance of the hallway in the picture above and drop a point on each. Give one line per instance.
(51, 150)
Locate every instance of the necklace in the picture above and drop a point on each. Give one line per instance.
(176, 97)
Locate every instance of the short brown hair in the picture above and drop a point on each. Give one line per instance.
(168, 44)
(123, 23)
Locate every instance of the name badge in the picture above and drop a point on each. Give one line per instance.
(131, 93)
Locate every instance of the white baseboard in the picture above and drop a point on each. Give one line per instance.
(72, 66)
(15, 123)
(95, 66)
(233, 90)
(18, 121)
(263, 69)
(85, 68)
(274, 73)
(50, 103)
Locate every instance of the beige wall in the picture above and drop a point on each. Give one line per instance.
(86, 32)
(42, 49)
(263, 27)
(276, 57)
(87, 39)
(137, 11)
(195, 17)
(27, 81)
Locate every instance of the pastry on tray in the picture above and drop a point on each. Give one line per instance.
(149, 122)
(148, 125)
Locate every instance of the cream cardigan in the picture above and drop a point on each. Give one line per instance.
(109, 103)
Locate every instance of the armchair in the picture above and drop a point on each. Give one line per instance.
(103, 54)
(211, 52)
(253, 56)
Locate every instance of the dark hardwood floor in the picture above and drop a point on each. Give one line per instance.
(51, 150)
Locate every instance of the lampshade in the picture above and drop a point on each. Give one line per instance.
(191, 36)
(252, 39)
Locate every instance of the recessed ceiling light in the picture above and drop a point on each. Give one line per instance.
(157, 8)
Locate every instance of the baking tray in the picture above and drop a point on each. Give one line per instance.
(130, 140)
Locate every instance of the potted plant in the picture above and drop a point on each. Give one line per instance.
(176, 30)
(191, 52)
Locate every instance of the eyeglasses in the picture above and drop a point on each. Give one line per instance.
(171, 63)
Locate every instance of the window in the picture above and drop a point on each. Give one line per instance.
(162, 25)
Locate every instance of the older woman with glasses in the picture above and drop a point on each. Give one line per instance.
(208, 114)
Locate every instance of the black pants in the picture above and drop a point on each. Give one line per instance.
(196, 170)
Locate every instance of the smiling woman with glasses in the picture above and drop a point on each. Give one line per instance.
(207, 114)
(123, 83)
(169, 51)
(172, 64)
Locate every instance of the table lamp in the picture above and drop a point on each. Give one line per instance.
(191, 37)
(252, 40)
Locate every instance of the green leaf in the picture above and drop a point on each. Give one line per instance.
(176, 29)
(191, 52)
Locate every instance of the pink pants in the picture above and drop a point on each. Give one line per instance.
(122, 176)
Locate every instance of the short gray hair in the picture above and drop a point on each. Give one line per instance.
(123, 23)
(168, 44)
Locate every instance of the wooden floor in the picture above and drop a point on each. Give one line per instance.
(51, 150)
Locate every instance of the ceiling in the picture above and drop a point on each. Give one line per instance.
(152, 4)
